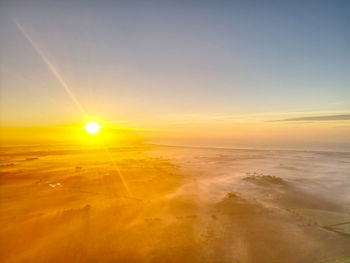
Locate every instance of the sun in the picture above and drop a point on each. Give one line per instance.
(92, 127)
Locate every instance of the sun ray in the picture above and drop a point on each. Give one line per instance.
(65, 86)
(116, 168)
(52, 68)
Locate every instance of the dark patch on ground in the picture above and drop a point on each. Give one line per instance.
(264, 179)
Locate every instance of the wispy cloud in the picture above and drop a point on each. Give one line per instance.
(317, 118)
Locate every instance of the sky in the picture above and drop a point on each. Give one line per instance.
(186, 72)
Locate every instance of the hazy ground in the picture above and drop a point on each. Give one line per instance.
(66, 204)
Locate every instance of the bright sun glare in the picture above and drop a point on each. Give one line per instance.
(92, 127)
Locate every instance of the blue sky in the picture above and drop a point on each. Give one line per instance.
(177, 57)
(143, 61)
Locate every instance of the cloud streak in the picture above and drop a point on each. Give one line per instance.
(342, 117)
